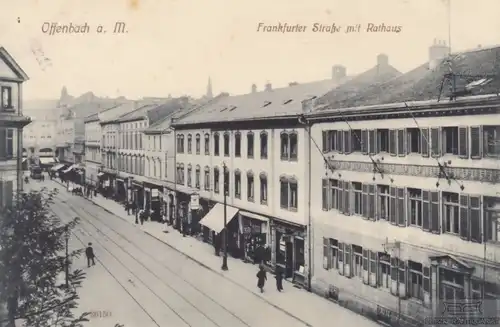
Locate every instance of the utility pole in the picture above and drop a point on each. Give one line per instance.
(224, 230)
(66, 266)
(136, 207)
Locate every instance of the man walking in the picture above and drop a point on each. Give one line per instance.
(89, 252)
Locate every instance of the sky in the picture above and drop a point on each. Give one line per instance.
(173, 46)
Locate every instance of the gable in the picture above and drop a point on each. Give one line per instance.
(5, 70)
(9, 69)
(451, 262)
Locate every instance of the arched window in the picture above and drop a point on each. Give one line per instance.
(198, 143)
(263, 145)
(158, 160)
(226, 145)
(148, 171)
(293, 140)
(237, 184)
(206, 179)
(197, 177)
(190, 143)
(226, 181)
(180, 174)
(153, 161)
(250, 144)
(284, 146)
(289, 145)
(237, 144)
(189, 175)
(216, 180)
(216, 144)
(180, 143)
(207, 143)
(250, 186)
(263, 188)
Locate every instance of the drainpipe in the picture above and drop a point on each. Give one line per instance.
(174, 207)
(309, 218)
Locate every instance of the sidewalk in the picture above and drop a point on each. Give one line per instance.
(307, 307)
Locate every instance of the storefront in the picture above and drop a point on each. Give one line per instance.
(288, 249)
(169, 205)
(120, 191)
(252, 236)
(213, 223)
(153, 200)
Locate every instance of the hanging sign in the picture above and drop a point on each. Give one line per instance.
(195, 201)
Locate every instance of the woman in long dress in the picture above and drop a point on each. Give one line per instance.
(261, 278)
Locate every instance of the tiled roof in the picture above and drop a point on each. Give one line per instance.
(84, 109)
(113, 113)
(278, 102)
(154, 112)
(374, 76)
(423, 83)
(92, 118)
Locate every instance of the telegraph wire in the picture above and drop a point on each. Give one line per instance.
(442, 170)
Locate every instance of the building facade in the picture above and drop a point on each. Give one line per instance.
(39, 138)
(408, 217)
(12, 123)
(92, 149)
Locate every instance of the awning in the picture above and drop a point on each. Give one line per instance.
(57, 167)
(214, 219)
(254, 216)
(47, 160)
(69, 169)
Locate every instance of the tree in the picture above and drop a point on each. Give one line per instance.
(32, 262)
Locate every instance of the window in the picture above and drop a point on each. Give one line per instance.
(198, 143)
(333, 141)
(180, 174)
(263, 188)
(491, 141)
(383, 202)
(289, 193)
(216, 144)
(357, 261)
(6, 98)
(216, 180)
(263, 145)
(237, 184)
(451, 218)
(284, 146)
(383, 140)
(356, 140)
(384, 270)
(492, 222)
(250, 145)
(357, 189)
(293, 139)
(190, 143)
(413, 140)
(226, 144)
(237, 144)
(415, 207)
(332, 193)
(8, 147)
(393, 142)
(250, 186)
(415, 280)
(450, 140)
(189, 175)
(436, 143)
(206, 181)
(207, 144)
(226, 181)
(197, 177)
(180, 144)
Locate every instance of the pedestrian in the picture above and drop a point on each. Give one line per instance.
(142, 216)
(279, 278)
(217, 243)
(128, 207)
(261, 278)
(89, 252)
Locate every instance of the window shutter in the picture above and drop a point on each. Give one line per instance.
(426, 211)
(372, 197)
(340, 197)
(372, 141)
(365, 206)
(373, 268)
(366, 266)
(348, 260)
(341, 255)
(347, 198)
(393, 142)
(435, 142)
(324, 192)
(401, 208)
(424, 141)
(340, 141)
(325, 141)
(402, 278)
(394, 275)
(347, 142)
(476, 140)
(393, 205)
(401, 142)
(326, 253)
(3, 143)
(475, 219)
(364, 141)
(435, 222)
(463, 142)
(464, 217)
(427, 282)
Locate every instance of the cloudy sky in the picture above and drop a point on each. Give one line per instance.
(173, 46)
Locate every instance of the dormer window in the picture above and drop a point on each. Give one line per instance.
(287, 101)
(6, 98)
(266, 103)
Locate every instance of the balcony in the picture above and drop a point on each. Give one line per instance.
(13, 121)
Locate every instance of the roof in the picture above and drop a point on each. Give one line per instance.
(85, 109)
(110, 114)
(9, 61)
(92, 118)
(154, 112)
(278, 102)
(378, 74)
(423, 83)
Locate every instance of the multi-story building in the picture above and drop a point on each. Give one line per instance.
(92, 149)
(39, 140)
(12, 123)
(408, 218)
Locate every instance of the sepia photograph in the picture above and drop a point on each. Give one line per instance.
(174, 163)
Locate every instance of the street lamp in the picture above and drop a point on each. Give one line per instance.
(66, 266)
(136, 207)
(224, 230)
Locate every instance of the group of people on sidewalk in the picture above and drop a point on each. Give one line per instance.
(262, 278)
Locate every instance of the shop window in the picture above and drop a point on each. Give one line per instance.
(250, 187)
(237, 144)
(189, 143)
(197, 177)
(216, 144)
(6, 98)
(207, 143)
(206, 181)
(250, 144)
(216, 180)
(237, 184)
(263, 145)
(226, 145)
(198, 143)
(263, 188)
(189, 175)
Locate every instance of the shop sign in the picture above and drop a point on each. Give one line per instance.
(155, 193)
(195, 202)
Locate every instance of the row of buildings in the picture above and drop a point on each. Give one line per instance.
(378, 190)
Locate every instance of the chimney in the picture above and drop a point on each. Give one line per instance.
(254, 88)
(293, 84)
(382, 60)
(437, 52)
(338, 72)
(268, 87)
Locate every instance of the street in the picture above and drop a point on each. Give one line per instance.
(139, 281)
